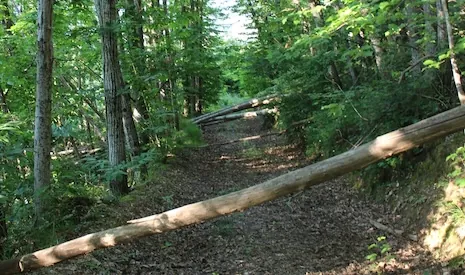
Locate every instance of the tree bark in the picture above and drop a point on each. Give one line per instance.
(137, 54)
(129, 126)
(113, 85)
(382, 147)
(413, 39)
(256, 102)
(43, 108)
(441, 28)
(430, 32)
(131, 132)
(3, 104)
(245, 115)
(379, 54)
(453, 61)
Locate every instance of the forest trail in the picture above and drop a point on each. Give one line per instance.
(324, 230)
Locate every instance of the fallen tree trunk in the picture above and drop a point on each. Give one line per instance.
(244, 115)
(382, 147)
(70, 151)
(256, 102)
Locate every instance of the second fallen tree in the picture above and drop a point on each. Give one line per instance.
(253, 103)
(244, 115)
(382, 147)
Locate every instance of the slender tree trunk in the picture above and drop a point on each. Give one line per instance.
(7, 23)
(43, 108)
(107, 14)
(430, 32)
(3, 205)
(130, 130)
(129, 126)
(335, 75)
(96, 129)
(446, 70)
(441, 27)
(3, 104)
(413, 39)
(137, 50)
(453, 60)
(379, 54)
(88, 127)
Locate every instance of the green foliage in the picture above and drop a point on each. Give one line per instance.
(226, 99)
(455, 211)
(379, 249)
(457, 161)
(345, 68)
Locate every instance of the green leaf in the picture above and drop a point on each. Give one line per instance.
(381, 238)
(451, 157)
(372, 257)
(3, 199)
(432, 64)
(386, 248)
(460, 182)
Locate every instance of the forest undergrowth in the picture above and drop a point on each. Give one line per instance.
(327, 229)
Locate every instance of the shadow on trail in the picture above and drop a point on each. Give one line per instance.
(324, 230)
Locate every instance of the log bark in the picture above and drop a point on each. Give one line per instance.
(382, 147)
(256, 102)
(396, 232)
(244, 115)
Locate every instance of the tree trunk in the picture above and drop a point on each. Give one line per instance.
(453, 61)
(3, 104)
(43, 108)
(137, 50)
(130, 130)
(413, 39)
(256, 102)
(112, 77)
(429, 30)
(441, 28)
(245, 115)
(129, 126)
(335, 76)
(379, 55)
(382, 147)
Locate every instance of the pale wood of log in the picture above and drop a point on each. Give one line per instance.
(396, 232)
(243, 115)
(253, 103)
(382, 147)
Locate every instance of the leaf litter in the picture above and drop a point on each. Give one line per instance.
(323, 230)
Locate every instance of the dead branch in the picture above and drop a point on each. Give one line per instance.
(393, 231)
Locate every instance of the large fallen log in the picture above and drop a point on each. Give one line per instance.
(256, 102)
(382, 147)
(231, 117)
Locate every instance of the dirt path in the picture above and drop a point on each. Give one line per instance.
(324, 230)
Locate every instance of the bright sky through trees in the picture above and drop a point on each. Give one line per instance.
(234, 24)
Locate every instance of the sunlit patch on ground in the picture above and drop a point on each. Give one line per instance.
(324, 230)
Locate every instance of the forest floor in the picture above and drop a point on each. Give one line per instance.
(323, 230)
